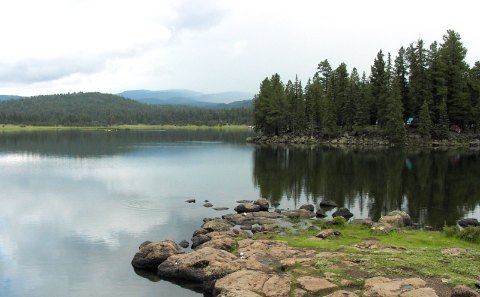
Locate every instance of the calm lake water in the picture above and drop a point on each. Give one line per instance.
(74, 206)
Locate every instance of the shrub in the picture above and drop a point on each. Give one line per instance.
(451, 231)
(339, 221)
(471, 234)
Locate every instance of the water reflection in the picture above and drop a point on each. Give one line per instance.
(435, 187)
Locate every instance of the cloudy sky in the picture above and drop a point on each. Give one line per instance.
(55, 46)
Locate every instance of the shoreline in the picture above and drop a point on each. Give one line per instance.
(7, 128)
(259, 252)
(358, 140)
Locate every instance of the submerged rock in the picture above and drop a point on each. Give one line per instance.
(343, 212)
(184, 244)
(220, 208)
(208, 204)
(201, 265)
(199, 239)
(152, 254)
(190, 201)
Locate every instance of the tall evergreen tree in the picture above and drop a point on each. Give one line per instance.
(402, 75)
(441, 127)
(362, 103)
(313, 95)
(436, 72)
(424, 121)
(394, 126)
(452, 54)
(324, 72)
(379, 89)
(418, 80)
(353, 96)
(340, 95)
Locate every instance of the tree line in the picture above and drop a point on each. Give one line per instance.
(94, 109)
(434, 86)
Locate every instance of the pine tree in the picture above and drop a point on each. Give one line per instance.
(424, 121)
(341, 89)
(379, 89)
(452, 54)
(394, 126)
(324, 72)
(436, 78)
(352, 98)
(402, 76)
(418, 80)
(313, 93)
(441, 128)
(362, 103)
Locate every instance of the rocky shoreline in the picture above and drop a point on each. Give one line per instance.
(361, 140)
(235, 256)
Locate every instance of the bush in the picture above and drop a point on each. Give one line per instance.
(339, 221)
(471, 234)
(451, 231)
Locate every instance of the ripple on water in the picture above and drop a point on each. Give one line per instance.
(155, 204)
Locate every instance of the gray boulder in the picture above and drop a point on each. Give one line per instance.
(309, 207)
(343, 212)
(469, 222)
(263, 203)
(247, 207)
(152, 254)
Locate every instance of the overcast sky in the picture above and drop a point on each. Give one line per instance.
(56, 46)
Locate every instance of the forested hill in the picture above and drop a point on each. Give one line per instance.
(105, 109)
(429, 89)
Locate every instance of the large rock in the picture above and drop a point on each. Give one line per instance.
(299, 214)
(470, 222)
(381, 286)
(249, 280)
(381, 228)
(343, 212)
(247, 207)
(263, 203)
(254, 281)
(199, 239)
(152, 254)
(315, 284)
(223, 240)
(464, 291)
(216, 225)
(309, 207)
(407, 220)
(205, 264)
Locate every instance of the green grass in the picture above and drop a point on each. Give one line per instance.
(31, 128)
(422, 256)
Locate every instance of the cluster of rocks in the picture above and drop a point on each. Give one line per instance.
(225, 261)
(207, 204)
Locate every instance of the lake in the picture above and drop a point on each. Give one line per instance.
(74, 206)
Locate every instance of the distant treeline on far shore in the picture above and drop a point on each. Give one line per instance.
(98, 109)
(429, 87)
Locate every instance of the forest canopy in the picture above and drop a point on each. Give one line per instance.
(94, 109)
(430, 87)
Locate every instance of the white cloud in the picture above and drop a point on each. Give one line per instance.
(59, 46)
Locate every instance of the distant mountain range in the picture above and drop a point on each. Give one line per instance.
(182, 97)
(8, 97)
(191, 98)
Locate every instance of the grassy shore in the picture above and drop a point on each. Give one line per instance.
(404, 253)
(30, 128)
